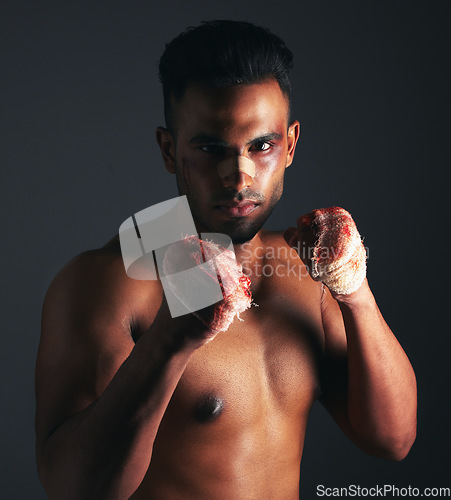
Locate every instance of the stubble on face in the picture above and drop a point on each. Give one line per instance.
(240, 229)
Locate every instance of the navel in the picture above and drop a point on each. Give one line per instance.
(208, 408)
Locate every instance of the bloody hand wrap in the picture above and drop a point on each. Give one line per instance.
(339, 257)
(235, 286)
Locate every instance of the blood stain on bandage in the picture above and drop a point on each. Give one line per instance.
(339, 258)
(235, 285)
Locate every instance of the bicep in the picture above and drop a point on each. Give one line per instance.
(85, 338)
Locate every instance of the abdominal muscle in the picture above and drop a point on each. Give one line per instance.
(258, 462)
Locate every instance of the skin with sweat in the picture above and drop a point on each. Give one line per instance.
(158, 408)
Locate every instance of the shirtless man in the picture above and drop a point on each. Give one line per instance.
(132, 403)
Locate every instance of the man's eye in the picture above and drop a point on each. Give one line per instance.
(262, 146)
(212, 149)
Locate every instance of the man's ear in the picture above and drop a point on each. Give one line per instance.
(166, 142)
(294, 131)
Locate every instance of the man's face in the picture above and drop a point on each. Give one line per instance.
(216, 125)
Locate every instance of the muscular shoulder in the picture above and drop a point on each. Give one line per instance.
(93, 288)
(88, 317)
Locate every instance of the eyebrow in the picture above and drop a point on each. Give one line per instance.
(217, 141)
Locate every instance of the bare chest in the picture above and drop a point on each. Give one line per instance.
(269, 362)
(238, 416)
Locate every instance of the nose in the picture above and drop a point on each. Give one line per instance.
(238, 180)
(237, 172)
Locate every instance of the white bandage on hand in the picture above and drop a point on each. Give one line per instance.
(235, 293)
(339, 257)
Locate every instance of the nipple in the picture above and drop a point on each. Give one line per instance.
(209, 408)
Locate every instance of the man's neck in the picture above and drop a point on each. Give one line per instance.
(251, 250)
(251, 255)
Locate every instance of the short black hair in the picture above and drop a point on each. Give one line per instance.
(221, 54)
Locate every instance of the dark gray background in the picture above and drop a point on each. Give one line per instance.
(80, 103)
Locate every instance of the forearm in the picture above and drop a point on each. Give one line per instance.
(381, 397)
(104, 451)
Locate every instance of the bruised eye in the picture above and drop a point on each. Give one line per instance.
(262, 146)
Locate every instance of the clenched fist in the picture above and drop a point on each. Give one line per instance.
(332, 248)
(217, 272)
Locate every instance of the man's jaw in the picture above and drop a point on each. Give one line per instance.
(240, 229)
(240, 215)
